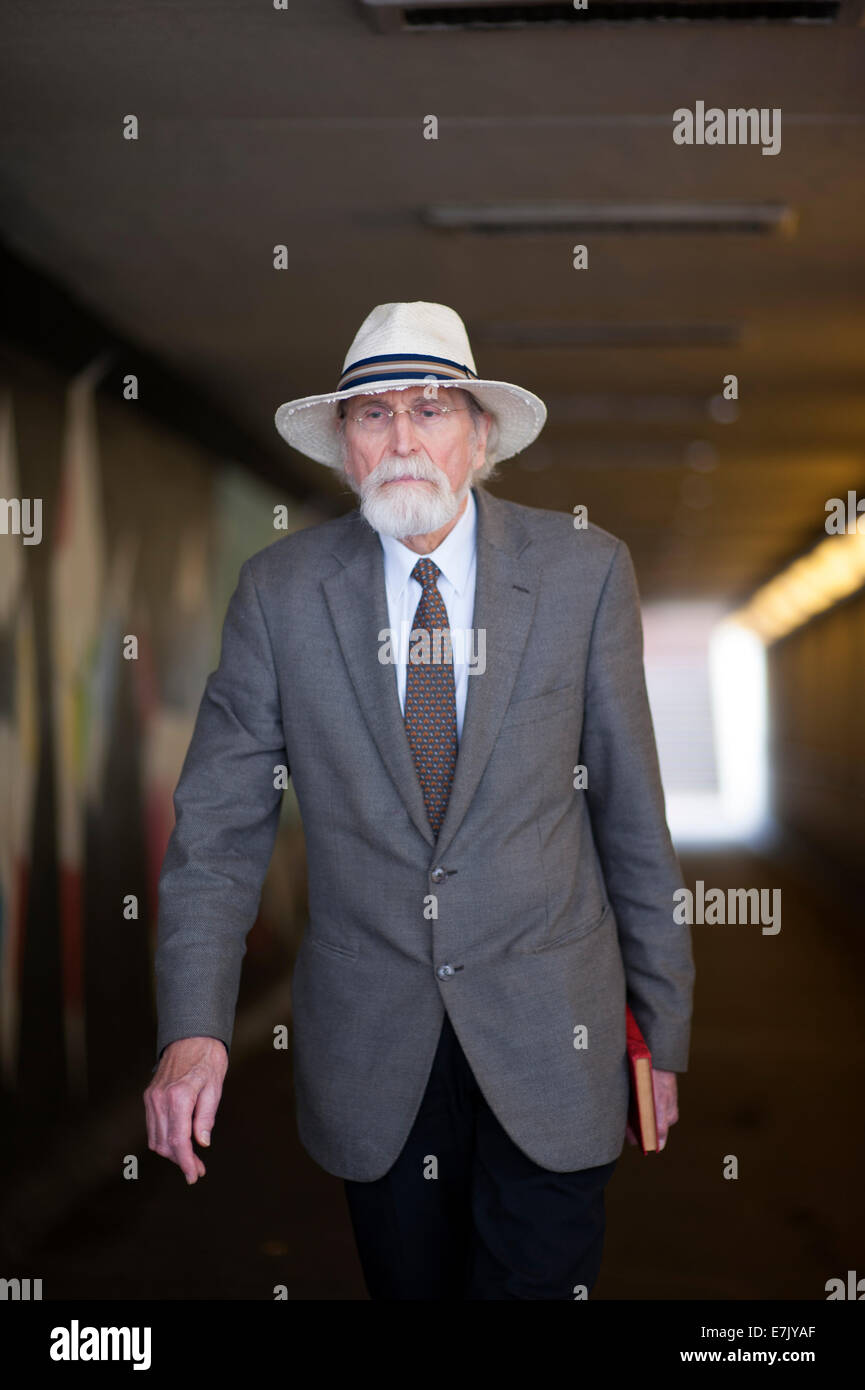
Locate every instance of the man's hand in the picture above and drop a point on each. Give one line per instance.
(666, 1106)
(187, 1083)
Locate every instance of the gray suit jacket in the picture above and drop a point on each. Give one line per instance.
(539, 909)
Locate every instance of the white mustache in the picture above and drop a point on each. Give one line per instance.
(417, 466)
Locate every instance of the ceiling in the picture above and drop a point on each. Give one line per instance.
(304, 127)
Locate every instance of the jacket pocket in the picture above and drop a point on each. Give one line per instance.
(583, 928)
(330, 947)
(539, 706)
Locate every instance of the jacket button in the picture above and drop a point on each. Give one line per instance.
(439, 875)
(444, 972)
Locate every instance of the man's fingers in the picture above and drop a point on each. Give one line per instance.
(157, 1123)
(180, 1145)
(666, 1103)
(179, 1099)
(170, 1126)
(667, 1116)
(205, 1114)
(198, 1170)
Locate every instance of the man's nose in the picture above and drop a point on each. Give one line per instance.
(403, 433)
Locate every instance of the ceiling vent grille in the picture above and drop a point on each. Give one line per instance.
(390, 16)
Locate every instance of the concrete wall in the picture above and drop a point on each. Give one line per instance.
(177, 522)
(817, 733)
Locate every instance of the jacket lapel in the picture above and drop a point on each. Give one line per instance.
(357, 600)
(506, 594)
(505, 598)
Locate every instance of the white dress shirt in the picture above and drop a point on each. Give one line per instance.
(456, 557)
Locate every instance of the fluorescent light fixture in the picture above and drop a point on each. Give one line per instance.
(654, 217)
(554, 333)
(635, 409)
(394, 16)
(830, 572)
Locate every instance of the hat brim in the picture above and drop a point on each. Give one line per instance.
(310, 423)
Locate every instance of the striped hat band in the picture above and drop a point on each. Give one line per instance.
(394, 366)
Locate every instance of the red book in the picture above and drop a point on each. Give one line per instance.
(641, 1111)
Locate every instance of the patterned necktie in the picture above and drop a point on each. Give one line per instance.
(430, 700)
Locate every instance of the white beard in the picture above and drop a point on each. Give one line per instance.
(408, 509)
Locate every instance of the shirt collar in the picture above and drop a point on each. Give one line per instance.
(453, 556)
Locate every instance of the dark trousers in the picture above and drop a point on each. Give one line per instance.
(492, 1224)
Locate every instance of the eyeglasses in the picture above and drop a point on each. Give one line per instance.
(425, 415)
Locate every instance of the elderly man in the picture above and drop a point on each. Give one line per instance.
(491, 876)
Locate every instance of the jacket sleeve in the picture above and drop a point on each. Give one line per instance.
(626, 807)
(227, 812)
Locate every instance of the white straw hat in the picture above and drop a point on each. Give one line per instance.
(401, 345)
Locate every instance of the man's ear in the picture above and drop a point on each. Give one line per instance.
(483, 425)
